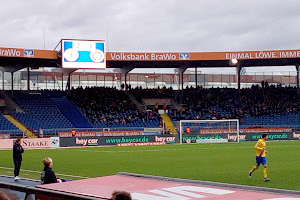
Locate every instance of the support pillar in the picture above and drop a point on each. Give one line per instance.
(125, 79)
(298, 90)
(28, 79)
(181, 71)
(64, 71)
(124, 71)
(238, 74)
(297, 69)
(196, 77)
(2, 80)
(62, 81)
(12, 84)
(68, 86)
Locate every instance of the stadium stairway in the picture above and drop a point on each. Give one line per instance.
(10, 105)
(19, 125)
(168, 123)
(133, 99)
(71, 112)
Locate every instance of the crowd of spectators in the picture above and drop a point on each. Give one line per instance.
(139, 93)
(109, 106)
(228, 103)
(114, 106)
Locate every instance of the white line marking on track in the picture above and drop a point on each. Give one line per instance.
(25, 170)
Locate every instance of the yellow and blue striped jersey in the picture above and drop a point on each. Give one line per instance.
(260, 147)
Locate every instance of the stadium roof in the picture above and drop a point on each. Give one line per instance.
(22, 58)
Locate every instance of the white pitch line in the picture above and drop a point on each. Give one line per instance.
(25, 170)
(158, 150)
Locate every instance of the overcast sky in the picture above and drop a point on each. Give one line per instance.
(153, 25)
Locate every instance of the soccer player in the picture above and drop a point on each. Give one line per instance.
(261, 151)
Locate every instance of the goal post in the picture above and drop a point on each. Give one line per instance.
(209, 131)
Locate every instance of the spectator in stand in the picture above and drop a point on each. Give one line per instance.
(156, 107)
(165, 107)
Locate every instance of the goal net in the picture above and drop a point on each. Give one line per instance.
(209, 131)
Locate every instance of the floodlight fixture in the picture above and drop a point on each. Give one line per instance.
(234, 61)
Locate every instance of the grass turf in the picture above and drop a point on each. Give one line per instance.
(227, 163)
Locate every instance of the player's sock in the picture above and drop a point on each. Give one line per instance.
(265, 172)
(253, 169)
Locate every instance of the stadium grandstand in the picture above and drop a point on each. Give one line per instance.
(36, 100)
(64, 98)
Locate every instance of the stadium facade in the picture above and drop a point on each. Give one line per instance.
(31, 69)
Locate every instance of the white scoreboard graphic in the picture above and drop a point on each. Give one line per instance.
(83, 54)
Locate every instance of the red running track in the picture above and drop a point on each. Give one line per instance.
(151, 189)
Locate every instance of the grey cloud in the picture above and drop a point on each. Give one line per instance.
(154, 25)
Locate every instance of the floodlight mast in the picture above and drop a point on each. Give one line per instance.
(57, 45)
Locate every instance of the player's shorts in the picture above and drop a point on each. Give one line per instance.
(261, 160)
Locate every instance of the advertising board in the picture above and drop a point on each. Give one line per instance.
(120, 133)
(79, 133)
(296, 135)
(141, 144)
(228, 137)
(114, 140)
(36, 143)
(177, 56)
(28, 143)
(54, 142)
(98, 133)
(271, 136)
(246, 130)
(205, 138)
(4, 135)
(6, 143)
(27, 53)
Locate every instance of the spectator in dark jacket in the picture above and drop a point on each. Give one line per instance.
(48, 175)
(17, 157)
(120, 195)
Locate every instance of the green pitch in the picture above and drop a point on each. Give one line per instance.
(228, 163)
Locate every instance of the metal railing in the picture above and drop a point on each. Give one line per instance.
(29, 190)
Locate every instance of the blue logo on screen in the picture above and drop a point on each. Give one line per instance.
(28, 52)
(184, 56)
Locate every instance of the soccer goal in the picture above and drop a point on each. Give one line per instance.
(209, 131)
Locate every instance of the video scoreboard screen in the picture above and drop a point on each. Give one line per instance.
(83, 54)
